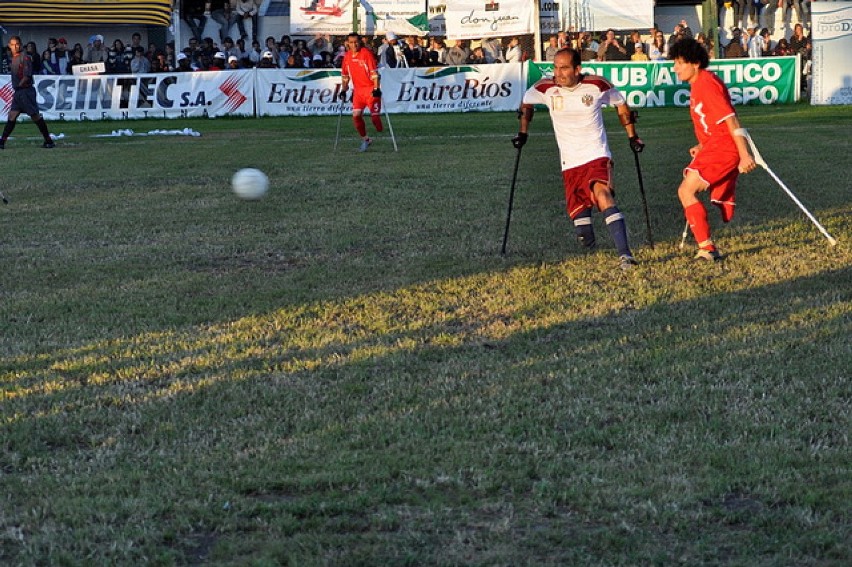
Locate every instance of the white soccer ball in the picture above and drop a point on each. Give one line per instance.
(250, 183)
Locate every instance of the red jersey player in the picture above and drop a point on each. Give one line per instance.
(722, 151)
(575, 102)
(359, 67)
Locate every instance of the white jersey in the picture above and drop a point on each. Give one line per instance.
(577, 117)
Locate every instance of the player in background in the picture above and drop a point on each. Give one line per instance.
(24, 98)
(575, 102)
(359, 68)
(722, 151)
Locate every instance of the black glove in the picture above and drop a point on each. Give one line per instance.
(377, 93)
(636, 144)
(342, 94)
(519, 140)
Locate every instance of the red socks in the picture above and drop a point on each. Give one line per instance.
(696, 216)
(360, 125)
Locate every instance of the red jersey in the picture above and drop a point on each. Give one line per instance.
(360, 67)
(710, 105)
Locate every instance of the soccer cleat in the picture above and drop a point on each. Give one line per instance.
(626, 261)
(365, 144)
(48, 145)
(709, 255)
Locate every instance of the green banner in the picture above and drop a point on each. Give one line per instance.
(768, 80)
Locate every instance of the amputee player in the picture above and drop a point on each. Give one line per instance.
(24, 97)
(722, 151)
(359, 68)
(575, 101)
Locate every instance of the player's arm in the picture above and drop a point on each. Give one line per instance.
(738, 133)
(628, 117)
(525, 116)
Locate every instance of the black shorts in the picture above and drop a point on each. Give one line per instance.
(24, 100)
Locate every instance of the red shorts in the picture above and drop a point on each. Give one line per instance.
(578, 183)
(719, 170)
(363, 98)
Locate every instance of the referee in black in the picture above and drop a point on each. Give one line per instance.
(24, 99)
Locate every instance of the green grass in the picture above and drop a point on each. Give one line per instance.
(348, 373)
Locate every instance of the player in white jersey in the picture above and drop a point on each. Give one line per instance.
(575, 102)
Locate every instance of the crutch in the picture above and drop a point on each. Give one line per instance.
(390, 126)
(762, 163)
(339, 119)
(511, 199)
(644, 200)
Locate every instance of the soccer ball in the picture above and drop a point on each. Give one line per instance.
(250, 184)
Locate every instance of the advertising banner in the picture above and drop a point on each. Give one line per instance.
(472, 19)
(590, 15)
(155, 95)
(767, 80)
(309, 17)
(86, 12)
(832, 43)
(437, 21)
(399, 16)
(497, 87)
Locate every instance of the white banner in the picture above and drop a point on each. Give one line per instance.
(155, 95)
(309, 17)
(282, 92)
(473, 19)
(832, 43)
(596, 15)
(379, 16)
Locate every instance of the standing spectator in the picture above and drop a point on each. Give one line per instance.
(184, 64)
(767, 46)
(95, 51)
(75, 58)
(359, 68)
(255, 52)
(552, 48)
(117, 62)
(54, 60)
(390, 54)
(458, 53)
(801, 45)
(24, 96)
(140, 64)
(735, 47)
(659, 48)
(319, 43)
(722, 152)
(705, 43)
(611, 49)
(229, 48)
(753, 42)
(272, 47)
(513, 50)
(219, 62)
(575, 102)
(477, 56)
(438, 51)
(783, 48)
(491, 46)
(639, 52)
(193, 13)
(32, 50)
(233, 62)
(414, 53)
(584, 46)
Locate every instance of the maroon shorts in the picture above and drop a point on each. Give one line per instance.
(578, 183)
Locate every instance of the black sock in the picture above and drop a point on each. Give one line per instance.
(10, 125)
(42, 127)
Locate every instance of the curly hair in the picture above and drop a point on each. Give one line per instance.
(690, 51)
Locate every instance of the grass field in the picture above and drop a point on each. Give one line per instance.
(347, 372)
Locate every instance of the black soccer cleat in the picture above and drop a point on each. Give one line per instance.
(48, 145)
